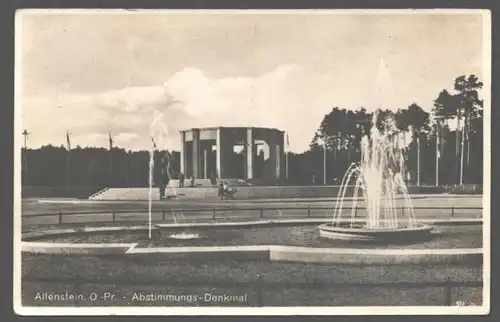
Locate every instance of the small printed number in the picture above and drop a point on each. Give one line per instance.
(463, 303)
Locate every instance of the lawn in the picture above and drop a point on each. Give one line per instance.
(282, 284)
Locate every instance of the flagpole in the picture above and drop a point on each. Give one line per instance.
(67, 173)
(151, 170)
(462, 157)
(437, 153)
(324, 160)
(468, 146)
(418, 161)
(67, 163)
(24, 178)
(110, 160)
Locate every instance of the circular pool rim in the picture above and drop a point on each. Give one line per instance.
(389, 235)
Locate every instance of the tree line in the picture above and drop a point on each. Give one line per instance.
(90, 167)
(448, 142)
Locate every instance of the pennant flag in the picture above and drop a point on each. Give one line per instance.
(68, 141)
(287, 140)
(153, 141)
(110, 141)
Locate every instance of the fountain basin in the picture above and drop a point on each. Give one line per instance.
(185, 236)
(380, 235)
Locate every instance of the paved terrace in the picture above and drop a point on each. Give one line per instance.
(101, 212)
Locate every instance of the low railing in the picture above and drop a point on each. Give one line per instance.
(218, 213)
(258, 287)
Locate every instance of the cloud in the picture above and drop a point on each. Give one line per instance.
(125, 137)
(112, 72)
(281, 98)
(290, 97)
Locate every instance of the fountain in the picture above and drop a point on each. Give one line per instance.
(178, 216)
(380, 178)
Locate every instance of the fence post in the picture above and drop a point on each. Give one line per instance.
(60, 217)
(163, 215)
(447, 293)
(213, 213)
(309, 211)
(355, 212)
(114, 217)
(260, 300)
(452, 211)
(261, 213)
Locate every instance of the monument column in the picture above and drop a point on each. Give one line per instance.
(271, 168)
(196, 153)
(217, 154)
(183, 152)
(249, 153)
(281, 171)
(278, 159)
(205, 156)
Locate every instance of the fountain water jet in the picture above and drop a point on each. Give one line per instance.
(379, 175)
(179, 216)
(150, 181)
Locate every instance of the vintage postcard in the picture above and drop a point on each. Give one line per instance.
(319, 162)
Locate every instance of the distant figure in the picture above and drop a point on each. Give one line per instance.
(220, 193)
(181, 180)
(226, 192)
(192, 181)
(314, 179)
(213, 179)
(164, 176)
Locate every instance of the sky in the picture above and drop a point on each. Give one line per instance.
(93, 73)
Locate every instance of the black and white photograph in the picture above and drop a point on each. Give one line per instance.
(252, 162)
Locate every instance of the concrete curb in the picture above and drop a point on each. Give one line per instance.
(98, 194)
(75, 249)
(96, 199)
(374, 256)
(276, 253)
(69, 231)
(248, 253)
(56, 232)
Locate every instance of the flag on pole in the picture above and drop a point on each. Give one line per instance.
(287, 141)
(153, 141)
(68, 141)
(110, 142)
